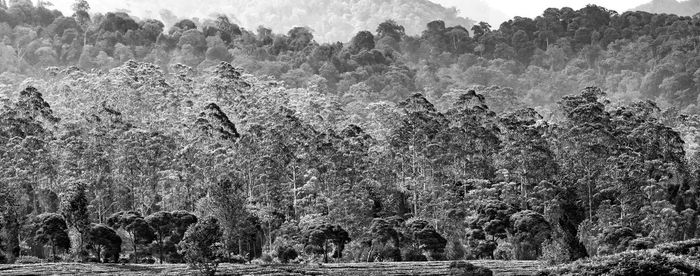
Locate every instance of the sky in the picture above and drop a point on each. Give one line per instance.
(502, 9)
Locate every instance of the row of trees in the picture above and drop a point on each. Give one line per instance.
(295, 173)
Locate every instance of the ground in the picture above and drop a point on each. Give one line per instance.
(499, 268)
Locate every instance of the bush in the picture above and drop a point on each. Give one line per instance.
(199, 245)
(237, 259)
(266, 258)
(455, 251)
(631, 263)
(147, 260)
(285, 253)
(555, 252)
(686, 247)
(641, 244)
(258, 262)
(504, 251)
(28, 260)
(390, 253)
(465, 268)
(357, 251)
(412, 254)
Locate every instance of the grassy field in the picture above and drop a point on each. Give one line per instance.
(505, 268)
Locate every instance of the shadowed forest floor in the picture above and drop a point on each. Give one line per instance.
(499, 268)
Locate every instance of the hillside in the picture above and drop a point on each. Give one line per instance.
(683, 7)
(330, 20)
(478, 10)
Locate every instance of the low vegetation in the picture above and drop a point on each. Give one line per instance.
(631, 263)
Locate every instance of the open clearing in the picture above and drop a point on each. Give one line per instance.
(504, 268)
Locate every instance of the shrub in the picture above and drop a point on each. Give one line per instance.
(455, 251)
(285, 253)
(198, 245)
(631, 263)
(430, 241)
(266, 258)
(504, 251)
(390, 253)
(555, 252)
(237, 259)
(412, 254)
(465, 268)
(357, 251)
(641, 244)
(687, 247)
(28, 260)
(147, 260)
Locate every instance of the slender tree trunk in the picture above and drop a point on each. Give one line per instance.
(240, 247)
(590, 203)
(99, 254)
(269, 235)
(294, 184)
(160, 248)
(325, 251)
(369, 254)
(136, 253)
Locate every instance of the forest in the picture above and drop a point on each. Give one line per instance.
(570, 135)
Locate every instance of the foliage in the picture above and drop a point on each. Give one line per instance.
(52, 231)
(318, 236)
(105, 242)
(629, 263)
(285, 253)
(28, 260)
(686, 247)
(135, 225)
(199, 245)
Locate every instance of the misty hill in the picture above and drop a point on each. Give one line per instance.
(329, 20)
(478, 10)
(683, 8)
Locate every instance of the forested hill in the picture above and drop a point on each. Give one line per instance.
(330, 21)
(683, 7)
(630, 55)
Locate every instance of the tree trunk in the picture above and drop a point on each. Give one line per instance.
(294, 183)
(160, 248)
(325, 251)
(136, 255)
(240, 247)
(99, 253)
(269, 235)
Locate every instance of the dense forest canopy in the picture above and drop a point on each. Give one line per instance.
(568, 135)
